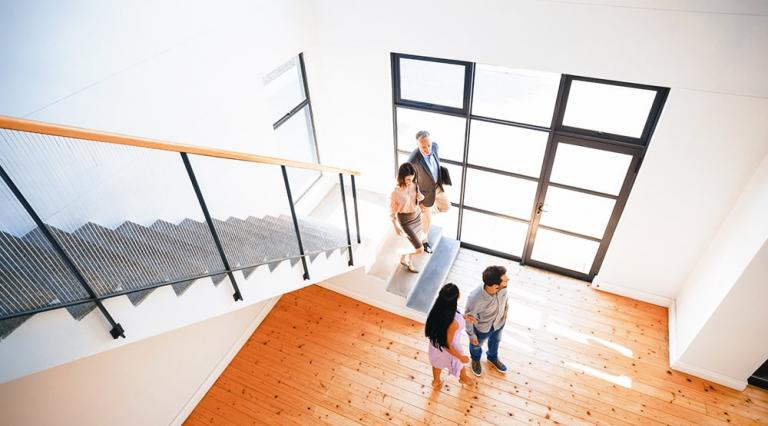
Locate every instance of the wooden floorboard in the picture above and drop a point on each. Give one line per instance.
(576, 356)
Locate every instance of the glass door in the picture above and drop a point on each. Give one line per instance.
(582, 194)
(541, 163)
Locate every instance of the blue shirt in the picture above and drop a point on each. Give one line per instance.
(431, 163)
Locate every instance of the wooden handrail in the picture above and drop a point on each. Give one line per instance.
(21, 124)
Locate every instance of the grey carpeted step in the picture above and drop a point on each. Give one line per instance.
(160, 266)
(43, 268)
(271, 242)
(244, 248)
(401, 281)
(141, 271)
(105, 270)
(317, 237)
(432, 278)
(10, 325)
(95, 274)
(19, 297)
(201, 245)
(177, 262)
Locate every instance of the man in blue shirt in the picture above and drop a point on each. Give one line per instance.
(426, 161)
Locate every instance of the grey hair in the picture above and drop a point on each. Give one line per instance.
(421, 134)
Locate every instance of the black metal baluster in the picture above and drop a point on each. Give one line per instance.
(354, 201)
(346, 218)
(209, 221)
(295, 222)
(117, 329)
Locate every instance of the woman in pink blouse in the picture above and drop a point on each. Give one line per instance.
(405, 212)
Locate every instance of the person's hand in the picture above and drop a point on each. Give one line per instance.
(473, 340)
(464, 359)
(470, 319)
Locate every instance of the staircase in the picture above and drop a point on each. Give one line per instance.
(131, 257)
(419, 290)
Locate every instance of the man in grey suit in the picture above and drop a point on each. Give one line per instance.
(426, 161)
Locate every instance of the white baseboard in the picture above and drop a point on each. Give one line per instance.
(631, 293)
(219, 368)
(730, 382)
(395, 309)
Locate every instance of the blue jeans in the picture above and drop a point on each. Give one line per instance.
(494, 338)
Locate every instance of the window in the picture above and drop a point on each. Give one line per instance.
(291, 112)
(542, 163)
(608, 108)
(515, 95)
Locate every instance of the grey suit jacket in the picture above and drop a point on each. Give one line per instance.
(424, 179)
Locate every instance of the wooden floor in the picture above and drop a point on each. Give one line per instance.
(576, 356)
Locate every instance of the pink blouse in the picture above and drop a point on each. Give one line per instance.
(404, 200)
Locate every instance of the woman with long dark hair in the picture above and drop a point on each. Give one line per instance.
(443, 328)
(405, 213)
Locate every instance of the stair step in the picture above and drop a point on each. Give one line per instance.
(432, 278)
(401, 281)
(201, 245)
(137, 269)
(183, 259)
(41, 267)
(103, 270)
(272, 243)
(8, 326)
(159, 265)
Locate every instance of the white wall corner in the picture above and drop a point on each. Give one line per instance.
(223, 363)
(674, 353)
(632, 293)
(720, 379)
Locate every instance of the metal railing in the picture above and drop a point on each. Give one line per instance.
(48, 268)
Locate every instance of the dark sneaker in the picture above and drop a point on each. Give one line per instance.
(499, 365)
(477, 369)
(427, 247)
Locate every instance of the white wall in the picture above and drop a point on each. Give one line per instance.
(720, 316)
(145, 383)
(711, 136)
(182, 71)
(733, 342)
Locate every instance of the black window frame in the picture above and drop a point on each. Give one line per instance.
(650, 120)
(468, 70)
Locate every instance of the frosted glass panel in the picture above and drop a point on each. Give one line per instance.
(432, 82)
(296, 142)
(284, 89)
(512, 149)
(500, 194)
(504, 235)
(576, 212)
(448, 131)
(554, 248)
(606, 108)
(590, 168)
(515, 95)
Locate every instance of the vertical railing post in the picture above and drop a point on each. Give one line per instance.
(346, 218)
(116, 330)
(295, 222)
(237, 296)
(354, 202)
